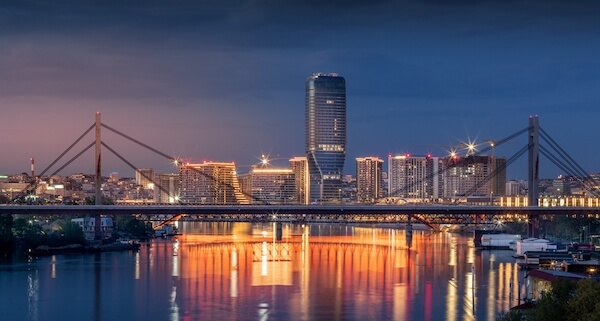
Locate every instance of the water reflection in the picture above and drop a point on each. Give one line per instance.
(274, 272)
(32, 296)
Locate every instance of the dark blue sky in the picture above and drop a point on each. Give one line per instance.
(225, 80)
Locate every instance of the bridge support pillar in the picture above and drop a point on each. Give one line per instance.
(409, 232)
(98, 181)
(533, 225)
(533, 161)
(278, 231)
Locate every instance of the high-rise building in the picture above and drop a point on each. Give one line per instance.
(414, 177)
(168, 190)
(513, 188)
(269, 186)
(325, 136)
(475, 175)
(210, 183)
(369, 181)
(435, 177)
(299, 166)
(145, 177)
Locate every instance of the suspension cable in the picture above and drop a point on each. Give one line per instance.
(568, 158)
(67, 150)
(498, 170)
(136, 170)
(589, 186)
(503, 140)
(139, 143)
(447, 168)
(35, 183)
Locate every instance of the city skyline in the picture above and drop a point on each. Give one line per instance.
(225, 82)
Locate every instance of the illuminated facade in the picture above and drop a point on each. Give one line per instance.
(475, 175)
(369, 181)
(513, 188)
(269, 186)
(210, 183)
(325, 136)
(144, 177)
(168, 192)
(299, 166)
(415, 177)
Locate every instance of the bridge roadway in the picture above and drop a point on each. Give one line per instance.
(432, 214)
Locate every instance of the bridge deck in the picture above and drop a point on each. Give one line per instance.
(456, 214)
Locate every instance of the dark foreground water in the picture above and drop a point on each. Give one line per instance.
(243, 272)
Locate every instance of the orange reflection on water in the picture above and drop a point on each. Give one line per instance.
(234, 272)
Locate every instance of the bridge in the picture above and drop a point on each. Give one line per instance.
(371, 214)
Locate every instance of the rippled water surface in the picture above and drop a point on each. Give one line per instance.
(264, 272)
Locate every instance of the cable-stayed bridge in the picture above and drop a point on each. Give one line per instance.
(264, 212)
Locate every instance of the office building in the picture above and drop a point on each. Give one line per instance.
(325, 136)
(369, 180)
(214, 183)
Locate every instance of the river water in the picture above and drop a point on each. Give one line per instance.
(240, 271)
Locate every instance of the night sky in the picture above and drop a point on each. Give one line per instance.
(225, 80)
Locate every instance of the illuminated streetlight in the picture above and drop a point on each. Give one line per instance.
(471, 148)
(264, 160)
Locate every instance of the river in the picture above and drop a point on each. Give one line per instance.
(240, 271)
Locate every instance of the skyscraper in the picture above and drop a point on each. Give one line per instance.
(326, 136)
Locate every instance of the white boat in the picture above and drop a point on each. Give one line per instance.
(533, 244)
(498, 241)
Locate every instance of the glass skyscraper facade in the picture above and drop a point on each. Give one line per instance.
(325, 136)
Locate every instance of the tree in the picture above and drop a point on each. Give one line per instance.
(6, 234)
(585, 303)
(72, 233)
(28, 231)
(553, 304)
(132, 225)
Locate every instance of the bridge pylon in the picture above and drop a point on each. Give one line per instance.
(533, 174)
(98, 181)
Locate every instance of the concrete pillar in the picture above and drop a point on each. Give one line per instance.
(97, 220)
(533, 175)
(533, 225)
(533, 161)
